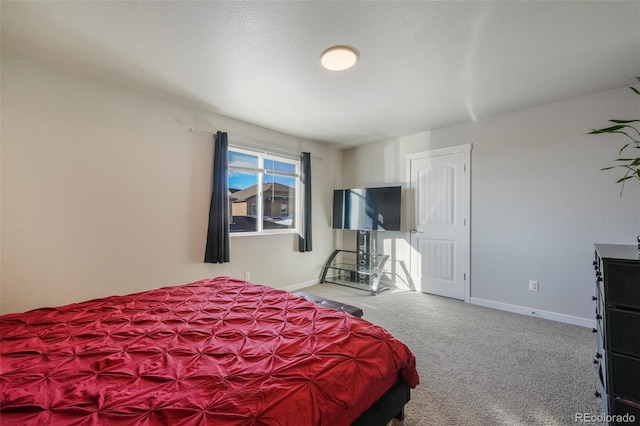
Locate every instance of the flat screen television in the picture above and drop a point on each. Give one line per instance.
(375, 209)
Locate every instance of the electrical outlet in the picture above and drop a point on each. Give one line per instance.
(247, 276)
(533, 285)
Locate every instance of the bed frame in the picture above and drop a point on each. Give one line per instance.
(389, 406)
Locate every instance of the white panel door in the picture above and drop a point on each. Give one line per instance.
(440, 235)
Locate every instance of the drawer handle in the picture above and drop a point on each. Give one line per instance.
(597, 394)
(595, 361)
(594, 298)
(599, 279)
(599, 317)
(598, 355)
(594, 330)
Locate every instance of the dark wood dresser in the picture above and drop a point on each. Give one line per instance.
(617, 300)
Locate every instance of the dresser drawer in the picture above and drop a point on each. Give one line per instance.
(624, 332)
(624, 289)
(625, 377)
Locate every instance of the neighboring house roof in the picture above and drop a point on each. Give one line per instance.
(279, 189)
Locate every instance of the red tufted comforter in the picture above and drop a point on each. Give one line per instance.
(218, 352)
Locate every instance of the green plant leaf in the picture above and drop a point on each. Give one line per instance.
(631, 165)
(623, 121)
(608, 129)
(622, 179)
(615, 129)
(601, 131)
(623, 148)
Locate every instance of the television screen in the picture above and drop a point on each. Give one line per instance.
(376, 209)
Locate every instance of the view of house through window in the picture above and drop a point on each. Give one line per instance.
(263, 189)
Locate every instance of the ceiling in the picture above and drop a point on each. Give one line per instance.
(423, 64)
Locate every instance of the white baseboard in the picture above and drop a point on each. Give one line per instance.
(523, 310)
(299, 286)
(554, 316)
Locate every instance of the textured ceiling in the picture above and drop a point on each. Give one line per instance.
(423, 64)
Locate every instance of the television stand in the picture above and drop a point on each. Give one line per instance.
(361, 268)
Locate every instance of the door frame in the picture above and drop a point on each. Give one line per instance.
(410, 215)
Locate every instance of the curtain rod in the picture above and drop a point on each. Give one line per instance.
(254, 143)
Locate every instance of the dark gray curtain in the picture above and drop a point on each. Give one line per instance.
(217, 250)
(304, 240)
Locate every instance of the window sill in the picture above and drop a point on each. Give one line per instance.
(254, 234)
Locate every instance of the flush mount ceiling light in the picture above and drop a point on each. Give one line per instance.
(339, 58)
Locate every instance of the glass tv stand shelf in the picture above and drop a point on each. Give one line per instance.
(360, 270)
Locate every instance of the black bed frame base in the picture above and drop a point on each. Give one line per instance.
(388, 407)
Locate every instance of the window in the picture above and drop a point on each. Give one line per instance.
(263, 192)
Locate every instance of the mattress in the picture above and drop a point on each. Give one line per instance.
(219, 351)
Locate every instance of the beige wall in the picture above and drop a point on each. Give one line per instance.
(105, 191)
(538, 199)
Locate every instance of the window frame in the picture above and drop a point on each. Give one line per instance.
(263, 155)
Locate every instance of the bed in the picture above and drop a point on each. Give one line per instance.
(219, 351)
